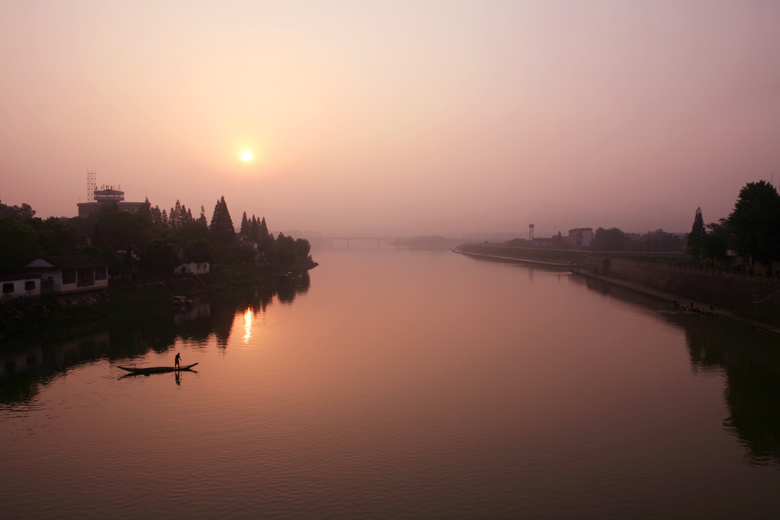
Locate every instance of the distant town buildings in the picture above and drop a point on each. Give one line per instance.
(580, 237)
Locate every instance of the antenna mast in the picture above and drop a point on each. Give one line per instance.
(90, 186)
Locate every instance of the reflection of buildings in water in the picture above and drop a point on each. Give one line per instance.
(52, 356)
(192, 313)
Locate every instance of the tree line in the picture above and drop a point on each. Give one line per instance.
(614, 239)
(751, 231)
(151, 240)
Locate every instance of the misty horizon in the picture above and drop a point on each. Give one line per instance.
(406, 119)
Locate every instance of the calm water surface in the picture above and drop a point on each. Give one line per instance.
(399, 384)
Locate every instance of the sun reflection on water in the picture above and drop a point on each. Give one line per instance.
(247, 326)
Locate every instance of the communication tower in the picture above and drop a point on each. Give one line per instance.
(531, 232)
(90, 186)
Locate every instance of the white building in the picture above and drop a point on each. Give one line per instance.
(193, 268)
(69, 273)
(18, 286)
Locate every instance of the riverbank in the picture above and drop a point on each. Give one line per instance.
(716, 312)
(544, 257)
(750, 301)
(82, 312)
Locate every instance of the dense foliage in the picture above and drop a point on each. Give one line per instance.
(752, 230)
(152, 240)
(697, 234)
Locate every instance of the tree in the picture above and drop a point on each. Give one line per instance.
(715, 244)
(114, 230)
(57, 237)
(222, 224)
(18, 243)
(198, 242)
(200, 250)
(254, 229)
(174, 217)
(156, 216)
(24, 213)
(302, 248)
(244, 226)
(285, 248)
(159, 256)
(697, 234)
(612, 239)
(263, 229)
(755, 223)
(145, 211)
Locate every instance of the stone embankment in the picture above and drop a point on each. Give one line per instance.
(754, 300)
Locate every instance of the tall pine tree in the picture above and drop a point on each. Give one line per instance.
(244, 226)
(697, 234)
(263, 229)
(222, 224)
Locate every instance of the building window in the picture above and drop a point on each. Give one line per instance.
(100, 273)
(68, 276)
(29, 286)
(8, 288)
(86, 277)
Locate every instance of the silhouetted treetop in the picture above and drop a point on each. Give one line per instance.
(222, 224)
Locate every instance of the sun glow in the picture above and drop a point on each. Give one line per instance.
(246, 156)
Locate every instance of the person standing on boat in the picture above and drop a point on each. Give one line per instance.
(177, 361)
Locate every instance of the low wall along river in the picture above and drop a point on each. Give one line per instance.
(750, 297)
(754, 298)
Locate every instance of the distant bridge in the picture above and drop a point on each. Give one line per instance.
(378, 239)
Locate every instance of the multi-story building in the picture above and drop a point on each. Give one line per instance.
(108, 195)
(580, 237)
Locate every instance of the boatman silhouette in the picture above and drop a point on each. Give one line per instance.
(177, 361)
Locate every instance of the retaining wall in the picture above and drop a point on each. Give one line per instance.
(752, 297)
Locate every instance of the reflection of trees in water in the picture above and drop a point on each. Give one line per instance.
(20, 381)
(753, 396)
(750, 361)
(288, 291)
(16, 389)
(26, 366)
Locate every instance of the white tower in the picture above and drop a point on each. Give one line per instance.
(531, 232)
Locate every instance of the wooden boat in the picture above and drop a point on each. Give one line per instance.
(155, 370)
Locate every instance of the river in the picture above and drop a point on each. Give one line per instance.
(396, 383)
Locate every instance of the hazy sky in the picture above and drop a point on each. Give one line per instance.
(394, 117)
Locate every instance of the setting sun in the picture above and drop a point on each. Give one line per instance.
(246, 156)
